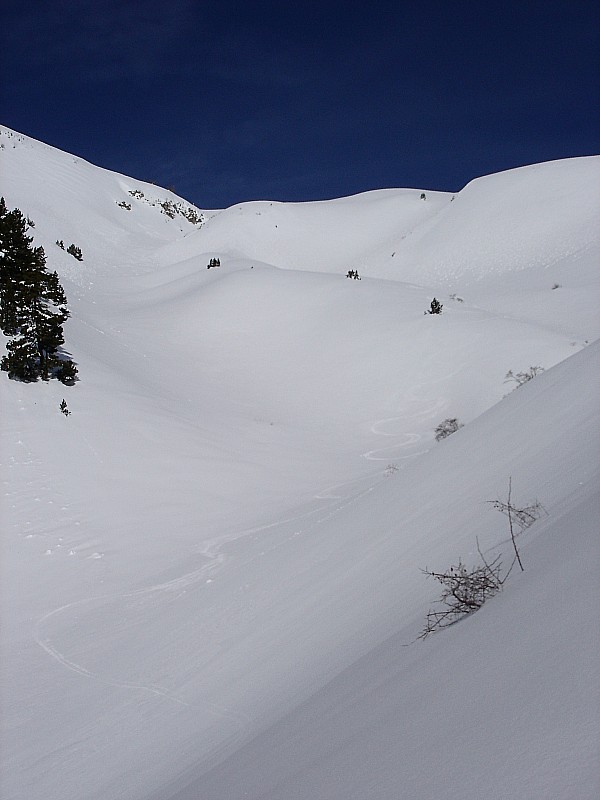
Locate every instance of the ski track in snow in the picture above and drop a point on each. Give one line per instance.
(409, 438)
(336, 500)
(211, 550)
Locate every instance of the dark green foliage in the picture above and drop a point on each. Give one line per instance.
(61, 244)
(214, 262)
(33, 306)
(435, 307)
(75, 252)
(63, 407)
(66, 373)
(21, 359)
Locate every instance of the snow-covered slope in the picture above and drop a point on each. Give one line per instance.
(210, 566)
(526, 218)
(505, 704)
(330, 236)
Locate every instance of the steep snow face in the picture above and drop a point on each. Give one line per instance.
(228, 529)
(115, 219)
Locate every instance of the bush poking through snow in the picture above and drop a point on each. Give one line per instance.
(435, 307)
(522, 377)
(169, 207)
(75, 251)
(447, 427)
(522, 517)
(517, 517)
(353, 273)
(465, 589)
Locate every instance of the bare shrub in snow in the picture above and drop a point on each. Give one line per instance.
(447, 427)
(522, 377)
(521, 518)
(465, 589)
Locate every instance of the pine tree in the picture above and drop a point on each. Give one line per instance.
(33, 306)
(21, 359)
(18, 261)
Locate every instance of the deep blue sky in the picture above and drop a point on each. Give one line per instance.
(297, 101)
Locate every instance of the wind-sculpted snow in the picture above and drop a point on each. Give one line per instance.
(533, 217)
(210, 569)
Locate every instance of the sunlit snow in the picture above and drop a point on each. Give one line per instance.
(211, 577)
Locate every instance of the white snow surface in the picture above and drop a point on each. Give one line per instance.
(210, 571)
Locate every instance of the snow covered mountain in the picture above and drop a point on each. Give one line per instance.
(211, 568)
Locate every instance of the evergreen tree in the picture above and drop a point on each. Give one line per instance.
(33, 306)
(21, 359)
(18, 261)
